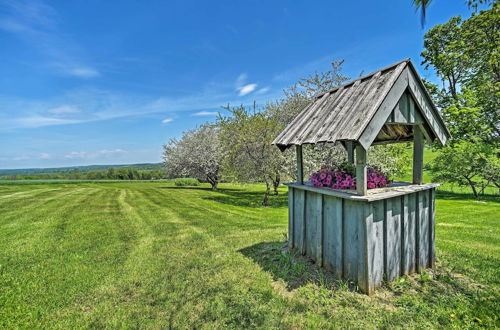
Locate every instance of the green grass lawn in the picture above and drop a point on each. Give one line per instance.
(139, 254)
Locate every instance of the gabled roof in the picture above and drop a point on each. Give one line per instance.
(357, 111)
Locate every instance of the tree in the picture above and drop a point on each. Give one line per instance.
(197, 154)
(246, 136)
(479, 170)
(465, 56)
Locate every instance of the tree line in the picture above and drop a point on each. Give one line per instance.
(109, 174)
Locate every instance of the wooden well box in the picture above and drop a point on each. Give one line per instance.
(367, 236)
(365, 239)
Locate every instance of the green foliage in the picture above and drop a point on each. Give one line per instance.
(184, 182)
(124, 173)
(465, 54)
(467, 164)
(152, 255)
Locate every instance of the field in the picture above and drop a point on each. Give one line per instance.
(141, 254)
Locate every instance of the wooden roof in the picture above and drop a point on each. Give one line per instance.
(368, 110)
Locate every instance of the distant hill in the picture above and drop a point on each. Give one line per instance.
(80, 169)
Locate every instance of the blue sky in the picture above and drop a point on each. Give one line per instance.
(109, 82)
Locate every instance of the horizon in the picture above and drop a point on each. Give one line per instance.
(91, 83)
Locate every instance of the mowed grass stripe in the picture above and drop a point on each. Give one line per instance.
(141, 255)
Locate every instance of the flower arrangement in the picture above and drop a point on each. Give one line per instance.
(342, 176)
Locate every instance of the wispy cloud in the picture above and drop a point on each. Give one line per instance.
(263, 90)
(40, 121)
(64, 109)
(247, 89)
(83, 72)
(166, 121)
(76, 154)
(35, 22)
(205, 113)
(242, 87)
(45, 155)
(93, 155)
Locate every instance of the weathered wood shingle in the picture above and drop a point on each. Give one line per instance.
(358, 110)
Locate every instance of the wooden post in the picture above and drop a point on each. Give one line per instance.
(300, 171)
(361, 170)
(350, 152)
(418, 154)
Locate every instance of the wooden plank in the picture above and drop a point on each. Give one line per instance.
(350, 152)
(375, 246)
(432, 227)
(378, 120)
(353, 212)
(400, 111)
(332, 234)
(427, 108)
(392, 238)
(290, 218)
(298, 216)
(373, 194)
(361, 187)
(408, 234)
(314, 210)
(366, 217)
(300, 167)
(418, 155)
(423, 230)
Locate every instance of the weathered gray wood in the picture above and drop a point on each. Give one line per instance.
(365, 217)
(314, 210)
(408, 234)
(426, 107)
(424, 234)
(432, 227)
(332, 234)
(361, 187)
(372, 195)
(362, 241)
(374, 247)
(418, 155)
(350, 152)
(378, 120)
(300, 167)
(299, 219)
(352, 214)
(400, 112)
(291, 204)
(392, 238)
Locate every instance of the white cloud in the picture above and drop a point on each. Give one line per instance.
(64, 109)
(242, 78)
(108, 152)
(247, 89)
(35, 23)
(263, 90)
(205, 113)
(21, 158)
(76, 154)
(82, 72)
(45, 155)
(40, 121)
(167, 120)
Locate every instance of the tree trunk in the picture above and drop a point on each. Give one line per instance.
(276, 184)
(213, 182)
(472, 185)
(265, 201)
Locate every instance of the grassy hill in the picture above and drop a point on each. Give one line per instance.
(153, 255)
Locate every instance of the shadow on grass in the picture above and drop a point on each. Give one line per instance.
(450, 195)
(291, 267)
(240, 197)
